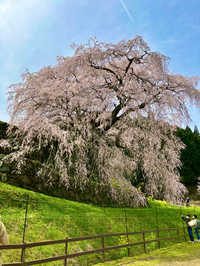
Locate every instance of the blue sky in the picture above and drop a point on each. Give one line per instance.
(34, 32)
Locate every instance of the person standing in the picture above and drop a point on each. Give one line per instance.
(3, 237)
(182, 201)
(187, 202)
(197, 227)
(187, 219)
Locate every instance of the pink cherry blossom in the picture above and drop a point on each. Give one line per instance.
(109, 111)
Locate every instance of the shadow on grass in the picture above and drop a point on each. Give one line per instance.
(180, 254)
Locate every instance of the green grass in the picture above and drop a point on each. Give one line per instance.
(182, 254)
(50, 218)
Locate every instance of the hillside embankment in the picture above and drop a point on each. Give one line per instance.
(51, 218)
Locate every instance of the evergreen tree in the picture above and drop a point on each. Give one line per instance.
(190, 156)
(196, 131)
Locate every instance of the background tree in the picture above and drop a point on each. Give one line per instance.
(105, 113)
(190, 156)
(196, 131)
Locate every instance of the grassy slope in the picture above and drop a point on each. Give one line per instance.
(53, 218)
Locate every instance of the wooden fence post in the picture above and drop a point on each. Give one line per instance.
(158, 238)
(25, 218)
(168, 236)
(128, 247)
(23, 253)
(178, 237)
(183, 225)
(184, 233)
(127, 231)
(25, 224)
(66, 245)
(145, 250)
(157, 227)
(103, 247)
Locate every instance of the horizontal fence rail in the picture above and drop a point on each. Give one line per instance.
(64, 257)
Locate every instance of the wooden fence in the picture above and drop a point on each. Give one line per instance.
(64, 257)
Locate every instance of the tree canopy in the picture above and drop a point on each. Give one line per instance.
(105, 114)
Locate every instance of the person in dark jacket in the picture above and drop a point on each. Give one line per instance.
(187, 202)
(187, 219)
(196, 228)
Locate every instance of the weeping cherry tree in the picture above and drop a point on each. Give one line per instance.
(106, 114)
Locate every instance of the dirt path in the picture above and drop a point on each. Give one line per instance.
(177, 255)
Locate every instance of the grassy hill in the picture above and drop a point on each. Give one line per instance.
(50, 218)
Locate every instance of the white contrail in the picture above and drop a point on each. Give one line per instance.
(126, 10)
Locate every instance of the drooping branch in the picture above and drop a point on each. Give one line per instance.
(115, 100)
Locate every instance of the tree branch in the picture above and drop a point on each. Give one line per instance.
(106, 69)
